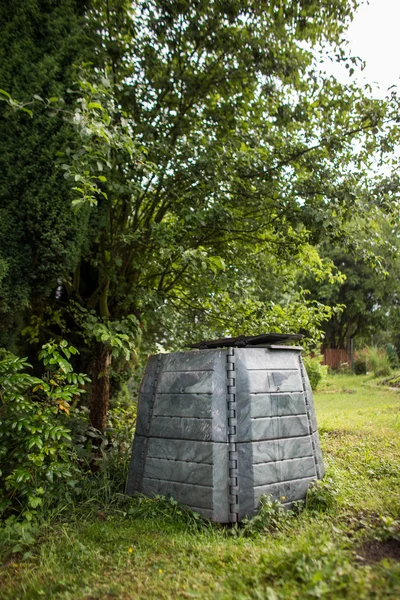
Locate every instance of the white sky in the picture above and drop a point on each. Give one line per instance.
(374, 36)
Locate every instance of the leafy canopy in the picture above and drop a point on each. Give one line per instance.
(212, 151)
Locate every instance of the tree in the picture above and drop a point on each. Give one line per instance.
(40, 238)
(211, 153)
(211, 139)
(368, 294)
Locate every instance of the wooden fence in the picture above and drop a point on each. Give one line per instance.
(335, 358)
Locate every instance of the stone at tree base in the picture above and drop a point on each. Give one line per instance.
(218, 428)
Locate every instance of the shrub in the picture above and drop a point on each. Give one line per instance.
(392, 356)
(315, 370)
(359, 364)
(36, 451)
(377, 361)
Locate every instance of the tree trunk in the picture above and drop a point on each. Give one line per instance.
(100, 395)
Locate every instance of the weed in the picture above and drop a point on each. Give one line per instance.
(322, 495)
(377, 361)
(271, 517)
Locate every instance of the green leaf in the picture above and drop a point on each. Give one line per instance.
(95, 105)
(34, 501)
(77, 204)
(27, 110)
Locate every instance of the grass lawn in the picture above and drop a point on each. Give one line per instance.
(344, 544)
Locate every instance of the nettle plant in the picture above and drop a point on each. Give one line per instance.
(36, 451)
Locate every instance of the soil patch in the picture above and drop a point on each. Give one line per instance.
(375, 551)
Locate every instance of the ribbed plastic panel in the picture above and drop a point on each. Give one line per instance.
(219, 428)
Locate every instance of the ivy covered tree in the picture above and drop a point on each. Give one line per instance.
(210, 155)
(41, 239)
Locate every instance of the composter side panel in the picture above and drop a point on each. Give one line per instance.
(186, 455)
(275, 436)
(147, 392)
(312, 421)
(190, 397)
(136, 465)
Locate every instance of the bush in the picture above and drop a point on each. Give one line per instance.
(316, 372)
(51, 458)
(392, 356)
(36, 451)
(359, 365)
(377, 361)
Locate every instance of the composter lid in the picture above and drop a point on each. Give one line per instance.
(251, 340)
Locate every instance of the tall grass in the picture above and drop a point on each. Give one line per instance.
(378, 362)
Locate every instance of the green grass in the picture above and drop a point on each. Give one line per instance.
(155, 549)
(359, 423)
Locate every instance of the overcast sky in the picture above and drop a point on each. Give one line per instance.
(374, 36)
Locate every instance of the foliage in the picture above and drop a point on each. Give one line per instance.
(322, 495)
(377, 361)
(104, 132)
(40, 238)
(36, 452)
(191, 229)
(272, 517)
(49, 446)
(315, 369)
(359, 364)
(248, 310)
(121, 336)
(392, 356)
(368, 292)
